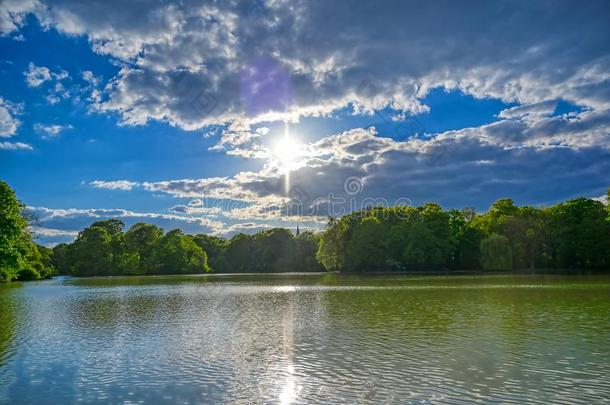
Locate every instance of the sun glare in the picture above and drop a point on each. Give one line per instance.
(287, 151)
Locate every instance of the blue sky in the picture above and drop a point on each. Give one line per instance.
(193, 115)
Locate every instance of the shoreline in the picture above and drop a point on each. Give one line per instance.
(553, 272)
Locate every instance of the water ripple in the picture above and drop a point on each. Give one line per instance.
(306, 340)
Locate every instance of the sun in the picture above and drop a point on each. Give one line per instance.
(287, 151)
(287, 154)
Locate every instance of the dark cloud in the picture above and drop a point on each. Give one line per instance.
(542, 161)
(196, 63)
(237, 64)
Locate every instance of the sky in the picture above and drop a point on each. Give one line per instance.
(228, 117)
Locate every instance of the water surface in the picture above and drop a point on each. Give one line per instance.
(306, 339)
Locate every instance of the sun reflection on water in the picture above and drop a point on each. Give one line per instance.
(290, 389)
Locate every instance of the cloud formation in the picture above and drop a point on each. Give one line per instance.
(51, 130)
(8, 122)
(15, 146)
(235, 68)
(13, 13)
(124, 185)
(37, 75)
(192, 64)
(64, 224)
(552, 158)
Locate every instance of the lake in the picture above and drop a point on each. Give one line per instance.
(306, 339)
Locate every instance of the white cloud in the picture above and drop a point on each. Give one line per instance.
(57, 93)
(15, 146)
(49, 232)
(37, 75)
(212, 211)
(8, 122)
(245, 227)
(91, 78)
(51, 130)
(63, 225)
(180, 208)
(602, 198)
(196, 203)
(13, 13)
(74, 220)
(124, 185)
(465, 167)
(532, 162)
(533, 111)
(193, 64)
(240, 140)
(239, 65)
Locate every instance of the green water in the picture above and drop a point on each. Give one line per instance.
(306, 339)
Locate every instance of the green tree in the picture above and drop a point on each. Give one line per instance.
(38, 263)
(581, 234)
(465, 253)
(141, 240)
(60, 259)
(366, 247)
(179, 254)
(306, 246)
(423, 250)
(331, 247)
(15, 240)
(468, 250)
(574, 234)
(442, 242)
(216, 249)
(122, 262)
(526, 231)
(274, 250)
(240, 254)
(91, 253)
(499, 211)
(496, 253)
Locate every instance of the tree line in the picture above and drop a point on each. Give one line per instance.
(105, 248)
(571, 235)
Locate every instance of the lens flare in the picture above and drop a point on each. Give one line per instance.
(287, 152)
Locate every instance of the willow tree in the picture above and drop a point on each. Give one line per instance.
(496, 253)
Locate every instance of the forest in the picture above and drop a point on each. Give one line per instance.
(570, 236)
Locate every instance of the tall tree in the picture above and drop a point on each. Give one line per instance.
(526, 231)
(216, 249)
(142, 239)
(496, 253)
(366, 246)
(240, 254)
(306, 246)
(60, 258)
(122, 262)
(179, 254)
(581, 234)
(15, 240)
(331, 250)
(91, 253)
(274, 250)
